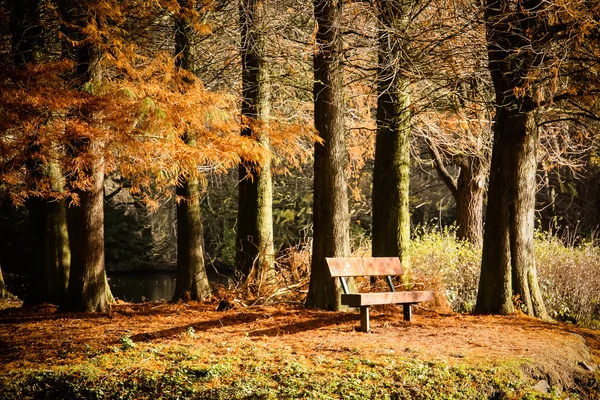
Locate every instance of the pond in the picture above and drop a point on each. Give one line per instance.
(139, 287)
(133, 287)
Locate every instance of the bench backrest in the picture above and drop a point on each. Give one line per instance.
(366, 266)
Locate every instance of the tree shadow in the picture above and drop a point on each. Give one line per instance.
(227, 320)
(40, 313)
(315, 321)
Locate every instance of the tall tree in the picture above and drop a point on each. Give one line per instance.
(35, 40)
(508, 264)
(254, 243)
(192, 281)
(391, 173)
(330, 199)
(88, 289)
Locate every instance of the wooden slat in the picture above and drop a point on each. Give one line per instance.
(370, 299)
(366, 266)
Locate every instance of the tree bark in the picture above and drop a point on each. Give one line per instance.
(4, 293)
(508, 264)
(391, 173)
(254, 252)
(52, 254)
(34, 38)
(88, 289)
(192, 281)
(470, 188)
(331, 219)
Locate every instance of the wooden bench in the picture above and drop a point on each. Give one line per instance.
(343, 268)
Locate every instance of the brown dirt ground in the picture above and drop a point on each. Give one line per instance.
(41, 336)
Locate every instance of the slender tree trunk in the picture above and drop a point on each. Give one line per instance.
(470, 189)
(330, 202)
(467, 191)
(391, 174)
(254, 252)
(524, 273)
(192, 281)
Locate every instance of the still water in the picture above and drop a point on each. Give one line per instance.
(131, 287)
(139, 287)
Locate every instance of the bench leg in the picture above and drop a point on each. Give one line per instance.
(407, 312)
(364, 319)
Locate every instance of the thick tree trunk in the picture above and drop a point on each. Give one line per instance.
(495, 290)
(391, 174)
(330, 202)
(34, 37)
(254, 252)
(88, 289)
(470, 188)
(192, 281)
(508, 263)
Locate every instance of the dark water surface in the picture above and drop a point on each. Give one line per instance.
(138, 287)
(133, 287)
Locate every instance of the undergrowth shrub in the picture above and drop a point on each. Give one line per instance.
(446, 265)
(568, 275)
(570, 279)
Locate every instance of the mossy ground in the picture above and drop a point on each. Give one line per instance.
(184, 351)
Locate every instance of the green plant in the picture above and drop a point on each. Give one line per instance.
(127, 343)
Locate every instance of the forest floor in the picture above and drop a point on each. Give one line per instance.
(161, 350)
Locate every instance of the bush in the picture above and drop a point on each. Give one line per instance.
(446, 265)
(569, 280)
(568, 274)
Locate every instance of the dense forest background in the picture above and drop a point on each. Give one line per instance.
(145, 61)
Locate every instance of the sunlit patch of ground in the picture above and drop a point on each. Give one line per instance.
(41, 337)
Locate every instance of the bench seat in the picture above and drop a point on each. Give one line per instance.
(372, 299)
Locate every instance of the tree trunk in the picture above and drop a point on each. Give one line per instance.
(495, 291)
(34, 37)
(88, 289)
(391, 174)
(192, 281)
(4, 293)
(470, 188)
(508, 263)
(524, 274)
(254, 251)
(331, 219)
(51, 255)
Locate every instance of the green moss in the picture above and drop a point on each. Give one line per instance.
(146, 374)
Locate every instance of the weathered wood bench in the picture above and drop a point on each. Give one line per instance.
(343, 268)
